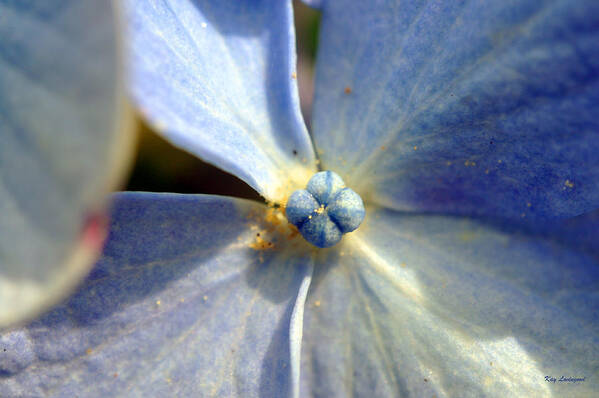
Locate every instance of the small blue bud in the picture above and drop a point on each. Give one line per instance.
(324, 185)
(325, 210)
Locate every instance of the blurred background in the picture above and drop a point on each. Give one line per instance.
(161, 167)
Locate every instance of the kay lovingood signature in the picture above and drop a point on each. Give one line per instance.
(564, 379)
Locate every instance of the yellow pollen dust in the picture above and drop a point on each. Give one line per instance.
(261, 244)
(270, 229)
(319, 210)
(291, 179)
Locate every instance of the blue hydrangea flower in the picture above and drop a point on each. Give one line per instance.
(468, 129)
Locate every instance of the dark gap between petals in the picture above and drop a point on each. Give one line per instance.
(161, 167)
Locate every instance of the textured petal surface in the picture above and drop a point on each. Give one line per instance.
(62, 144)
(468, 107)
(179, 305)
(436, 306)
(217, 78)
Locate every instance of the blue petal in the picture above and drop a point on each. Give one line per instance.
(426, 306)
(296, 328)
(217, 78)
(579, 232)
(180, 304)
(62, 145)
(474, 107)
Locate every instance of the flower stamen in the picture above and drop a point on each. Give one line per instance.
(325, 210)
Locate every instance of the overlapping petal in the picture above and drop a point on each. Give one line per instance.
(179, 304)
(217, 78)
(62, 144)
(420, 306)
(470, 107)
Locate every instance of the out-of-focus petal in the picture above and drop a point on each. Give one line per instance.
(217, 78)
(63, 142)
(471, 107)
(424, 305)
(180, 304)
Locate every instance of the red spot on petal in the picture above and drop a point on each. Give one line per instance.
(94, 231)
